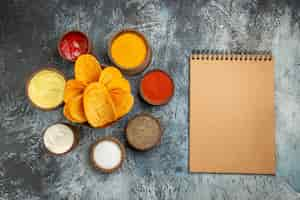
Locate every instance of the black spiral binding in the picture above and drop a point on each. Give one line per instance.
(262, 56)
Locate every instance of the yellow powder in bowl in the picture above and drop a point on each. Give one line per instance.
(129, 50)
(46, 89)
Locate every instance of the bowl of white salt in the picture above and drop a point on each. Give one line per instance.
(107, 154)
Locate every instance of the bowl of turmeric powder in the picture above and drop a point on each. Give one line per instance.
(129, 50)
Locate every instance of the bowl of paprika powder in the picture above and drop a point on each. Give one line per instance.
(157, 87)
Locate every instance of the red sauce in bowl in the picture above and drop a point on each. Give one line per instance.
(156, 87)
(73, 44)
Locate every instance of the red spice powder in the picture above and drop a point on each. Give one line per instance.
(73, 44)
(157, 87)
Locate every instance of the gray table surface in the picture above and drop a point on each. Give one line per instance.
(29, 31)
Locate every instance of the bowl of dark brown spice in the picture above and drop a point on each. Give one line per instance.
(143, 132)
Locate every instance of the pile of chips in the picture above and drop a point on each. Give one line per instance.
(97, 96)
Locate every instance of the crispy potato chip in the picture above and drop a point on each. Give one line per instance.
(119, 89)
(108, 74)
(76, 110)
(87, 69)
(73, 88)
(123, 101)
(119, 83)
(98, 106)
(67, 114)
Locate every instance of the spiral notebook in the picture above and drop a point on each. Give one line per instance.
(232, 120)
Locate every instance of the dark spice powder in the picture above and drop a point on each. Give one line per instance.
(143, 132)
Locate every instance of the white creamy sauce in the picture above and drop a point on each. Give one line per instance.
(58, 138)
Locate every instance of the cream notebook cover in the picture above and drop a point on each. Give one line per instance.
(232, 120)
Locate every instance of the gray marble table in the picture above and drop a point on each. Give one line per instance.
(29, 31)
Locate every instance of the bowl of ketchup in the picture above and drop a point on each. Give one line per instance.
(72, 44)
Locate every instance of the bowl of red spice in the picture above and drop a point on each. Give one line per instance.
(72, 44)
(157, 87)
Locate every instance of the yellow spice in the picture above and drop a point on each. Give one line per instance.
(46, 89)
(128, 50)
